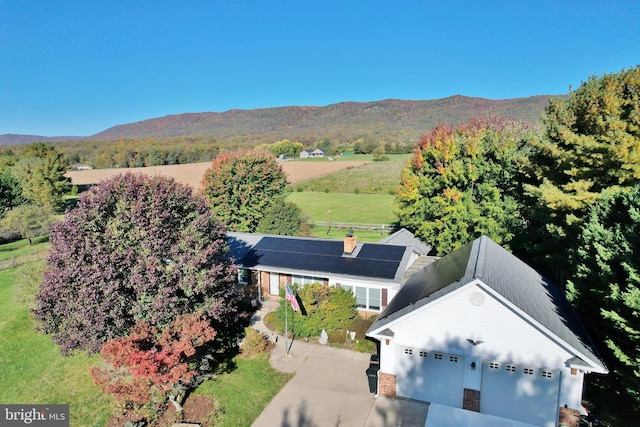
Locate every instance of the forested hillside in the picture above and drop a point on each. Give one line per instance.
(399, 121)
(392, 120)
(392, 126)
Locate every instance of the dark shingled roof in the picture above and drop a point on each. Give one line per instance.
(369, 260)
(404, 237)
(520, 284)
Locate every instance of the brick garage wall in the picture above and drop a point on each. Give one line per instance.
(471, 400)
(386, 385)
(569, 417)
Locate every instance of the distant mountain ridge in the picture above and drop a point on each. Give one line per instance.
(16, 139)
(391, 119)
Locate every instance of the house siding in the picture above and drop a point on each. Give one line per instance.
(501, 330)
(447, 324)
(386, 291)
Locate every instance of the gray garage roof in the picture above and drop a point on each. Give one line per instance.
(520, 284)
(404, 237)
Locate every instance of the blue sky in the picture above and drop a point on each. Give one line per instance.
(72, 67)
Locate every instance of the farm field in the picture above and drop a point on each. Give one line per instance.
(191, 174)
(382, 177)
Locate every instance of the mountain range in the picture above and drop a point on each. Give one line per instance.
(394, 120)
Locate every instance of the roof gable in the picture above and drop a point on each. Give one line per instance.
(502, 272)
(404, 237)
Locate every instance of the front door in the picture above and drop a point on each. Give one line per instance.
(274, 283)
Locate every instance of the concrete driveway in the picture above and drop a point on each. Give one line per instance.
(329, 389)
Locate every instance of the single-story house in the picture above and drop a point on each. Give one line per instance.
(372, 271)
(479, 331)
(314, 153)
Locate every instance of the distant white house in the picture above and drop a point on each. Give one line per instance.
(314, 153)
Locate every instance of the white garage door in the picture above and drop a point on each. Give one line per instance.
(520, 393)
(430, 376)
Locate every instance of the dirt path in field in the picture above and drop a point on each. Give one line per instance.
(191, 174)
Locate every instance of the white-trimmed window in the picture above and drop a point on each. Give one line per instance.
(306, 280)
(243, 276)
(366, 298)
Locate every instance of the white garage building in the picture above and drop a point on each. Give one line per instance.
(479, 330)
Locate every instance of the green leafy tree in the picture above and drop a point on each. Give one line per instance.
(463, 182)
(606, 287)
(241, 185)
(41, 172)
(136, 249)
(10, 191)
(29, 221)
(282, 218)
(591, 144)
(284, 147)
(324, 307)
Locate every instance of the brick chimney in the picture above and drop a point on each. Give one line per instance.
(349, 244)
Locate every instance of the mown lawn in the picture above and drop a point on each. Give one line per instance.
(340, 233)
(22, 247)
(32, 370)
(242, 394)
(344, 207)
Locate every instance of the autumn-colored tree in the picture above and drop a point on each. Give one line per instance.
(591, 144)
(155, 362)
(463, 183)
(40, 171)
(241, 185)
(136, 248)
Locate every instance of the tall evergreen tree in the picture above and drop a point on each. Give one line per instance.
(606, 286)
(591, 144)
(463, 182)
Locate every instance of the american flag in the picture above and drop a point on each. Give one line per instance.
(292, 299)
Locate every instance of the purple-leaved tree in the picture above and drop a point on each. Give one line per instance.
(135, 249)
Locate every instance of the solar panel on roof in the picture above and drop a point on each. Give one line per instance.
(284, 244)
(320, 256)
(382, 252)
